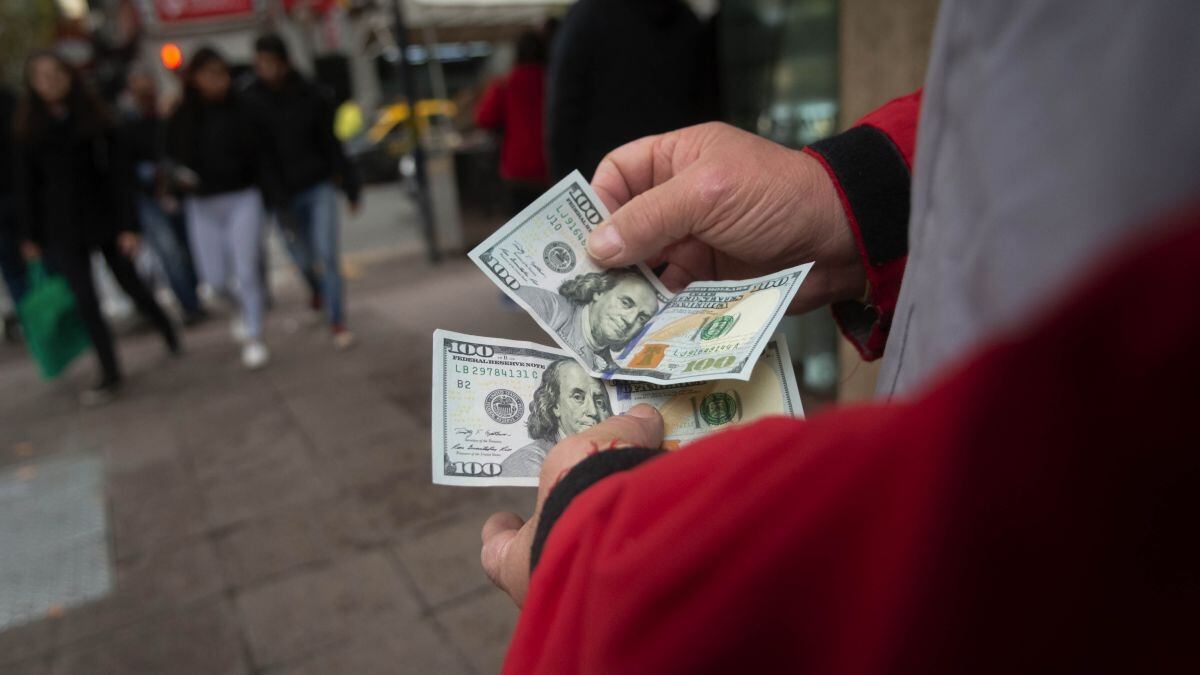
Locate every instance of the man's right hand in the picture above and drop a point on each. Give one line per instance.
(714, 202)
(30, 251)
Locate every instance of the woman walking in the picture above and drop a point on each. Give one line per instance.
(211, 138)
(74, 196)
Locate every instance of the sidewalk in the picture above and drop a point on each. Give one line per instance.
(281, 521)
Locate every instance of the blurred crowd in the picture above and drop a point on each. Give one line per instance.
(194, 181)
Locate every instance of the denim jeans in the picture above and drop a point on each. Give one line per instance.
(310, 231)
(164, 239)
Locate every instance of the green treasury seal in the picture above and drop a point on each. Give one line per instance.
(718, 408)
(718, 327)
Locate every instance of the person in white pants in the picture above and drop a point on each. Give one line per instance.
(211, 137)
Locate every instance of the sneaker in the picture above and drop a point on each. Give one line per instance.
(255, 354)
(238, 329)
(343, 339)
(103, 392)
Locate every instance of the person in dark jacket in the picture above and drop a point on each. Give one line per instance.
(514, 105)
(213, 139)
(304, 159)
(74, 196)
(12, 268)
(162, 226)
(621, 70)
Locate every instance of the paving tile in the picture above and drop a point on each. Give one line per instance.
(201, 640)
(482, 628)
(39, 665)
(399, 502)
(258, 442)
(291, 481)
(401, 648)
(24, 642)
(150, 479)
(150, 583)
(331, 417)
(210, 414)
(316, 610)
(269, 546)
(158, 518)
(386, 451)
(444, 561)
(125, 453)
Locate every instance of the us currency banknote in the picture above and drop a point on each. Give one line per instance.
(623, 324)
(500, 405)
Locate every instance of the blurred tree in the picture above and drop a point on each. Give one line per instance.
(25, 25)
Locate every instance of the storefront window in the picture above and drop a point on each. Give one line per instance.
(778, 70)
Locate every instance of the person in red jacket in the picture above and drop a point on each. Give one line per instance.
(1022, 501)
(514, 106)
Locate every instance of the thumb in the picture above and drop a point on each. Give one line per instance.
(498, 534)
(651, 221)
(641, 427)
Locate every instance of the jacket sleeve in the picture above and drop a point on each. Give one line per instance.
(123, 181)
(254, 133)
(1009, 519)
(25, 192)
(489, 113)
(871, 165)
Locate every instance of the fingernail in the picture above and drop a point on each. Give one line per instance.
(604, 242)
(643, 410)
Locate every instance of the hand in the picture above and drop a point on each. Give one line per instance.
(714, 202)
(507, 538)
(128, 243)
(30, 251)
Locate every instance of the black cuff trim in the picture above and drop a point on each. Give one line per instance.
(877, 184)
(581, 477)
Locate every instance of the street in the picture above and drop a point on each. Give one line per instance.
(279, 521)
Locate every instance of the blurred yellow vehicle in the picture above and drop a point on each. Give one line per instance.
(378, 152)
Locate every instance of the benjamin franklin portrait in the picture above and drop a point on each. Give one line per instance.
(567, 401)
(596, 313)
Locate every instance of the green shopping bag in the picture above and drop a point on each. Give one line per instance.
(52, 328)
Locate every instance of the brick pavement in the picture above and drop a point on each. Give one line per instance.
(281, 521)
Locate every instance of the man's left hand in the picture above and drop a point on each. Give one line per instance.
(507, 538)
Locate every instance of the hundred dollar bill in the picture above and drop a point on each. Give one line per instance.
(500, 405)
(622, 323)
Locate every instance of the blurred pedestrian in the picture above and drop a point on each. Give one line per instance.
(623, 69)
(514, 106)
(162, 223)
(74, 196)
(304, 159)
(12, 268)
(213, 140)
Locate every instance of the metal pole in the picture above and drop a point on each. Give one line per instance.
(408, 80)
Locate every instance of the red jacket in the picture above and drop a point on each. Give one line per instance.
(516, 106)
(1032, 511)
